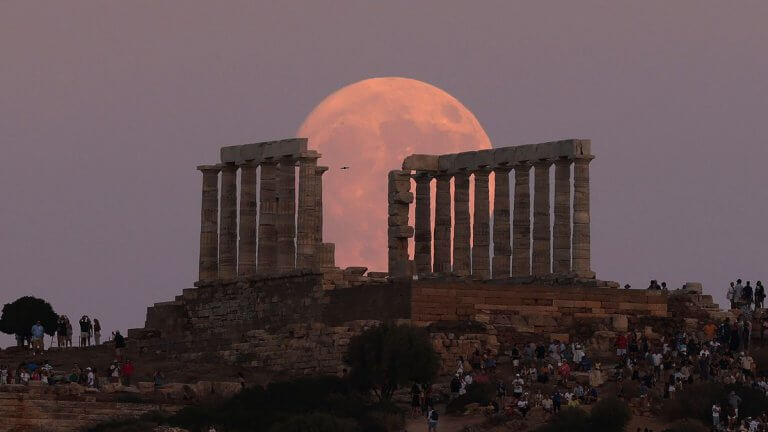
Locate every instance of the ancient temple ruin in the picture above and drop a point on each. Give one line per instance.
(266, 229)
(563, 249)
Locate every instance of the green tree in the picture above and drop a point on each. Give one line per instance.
(386, 357)
(19, 317)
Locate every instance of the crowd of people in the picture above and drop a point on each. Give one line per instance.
(89, 331)
(745, 296)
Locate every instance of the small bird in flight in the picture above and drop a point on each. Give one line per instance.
(345, 167)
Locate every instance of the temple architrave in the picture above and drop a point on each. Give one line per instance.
(279, 229)
(560, 249)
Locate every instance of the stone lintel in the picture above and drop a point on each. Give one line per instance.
(504, 156)
(204, 168)
(293, 147)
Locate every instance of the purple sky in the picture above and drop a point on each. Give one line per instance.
(106, 108)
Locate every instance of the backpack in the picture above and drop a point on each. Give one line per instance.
(434, 415)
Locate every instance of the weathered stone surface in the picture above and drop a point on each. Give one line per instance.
(286, 215)
(521, 222)
(541, 262)
(307, 212)
(293, 147)
(481, 228)
(461, 228)
(420, 162)
(442, 258)
(502, 250)
(246, 265)
(561, 232)
(228, 228)
(580, 245)
(267, 255)
(423, 224)
(209, 223)
(399, 196)
(472, 160)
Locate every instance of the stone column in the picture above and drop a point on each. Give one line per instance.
(209, 224)
(461, 247)
(399, 197)
(442, 260)
(521, 222)
(267, 257)
(481, 229)
(286, 215)
(246, 265)
(561, 231)
(541, 262)
(501, 246)
(582, 265)
(305, 231)
(423, 224)
(228, 236)
(319, 203)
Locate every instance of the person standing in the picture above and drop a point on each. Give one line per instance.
(61, 331)
(69, 332)
(38, 341)
(729, 296)
(127, 372)
(96, 332)
(119, 344)
(85, 330)
(737, 293)
(747, 296)
(759, 295)
(432, 418)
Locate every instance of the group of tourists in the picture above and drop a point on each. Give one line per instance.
(89, 330)
(745, 296)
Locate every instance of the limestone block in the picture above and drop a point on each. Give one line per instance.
(421, 162)
(355, 271)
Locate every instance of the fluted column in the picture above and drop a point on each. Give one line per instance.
(305, 230)
(319, 203)
(422, 255)
(209, 223)
(442, 261)
(246, 263)
(399, 197)
(461, 246)
(286, 215)
(481, 228)
(521, 222)
(582, 265)
(501, 242)
(267, 257)
(541, 262)
(228, 235)
(561, 231)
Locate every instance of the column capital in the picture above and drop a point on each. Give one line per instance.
(523, 166)
(483, 171)
(321, 170)
(230, 167)
(582, 160)
(563, 162)
(310, 154)
(543, 163)
(209, 168)
(503, 169)
(422, 176)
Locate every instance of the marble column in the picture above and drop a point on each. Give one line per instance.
(481, 228)
(228, 235)
(267, 256)
(582, 265)
(209, 224)
(442, 261)
(521, 222)
(461, 230)
(561, 231)
(422, 255)
(399, 197)
(541, 261)
(502, 249)
(319, 203)
(286, 215)
(307, 217)
(246, 264)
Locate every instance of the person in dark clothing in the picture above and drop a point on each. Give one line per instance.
(119, 344)
(747, 296)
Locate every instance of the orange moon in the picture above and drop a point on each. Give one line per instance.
(371, 126)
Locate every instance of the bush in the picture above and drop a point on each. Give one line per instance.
(479, 393)
(607, 415)
(696, 402)
(315, 423)
(386, 357)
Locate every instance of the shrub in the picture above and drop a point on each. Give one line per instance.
(569, 419)
(607, 415)
(386, 357)
(696, 401)
(476, 393)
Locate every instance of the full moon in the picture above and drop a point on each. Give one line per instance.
(370, 127)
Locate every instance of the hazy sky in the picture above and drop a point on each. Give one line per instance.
(107, 107)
